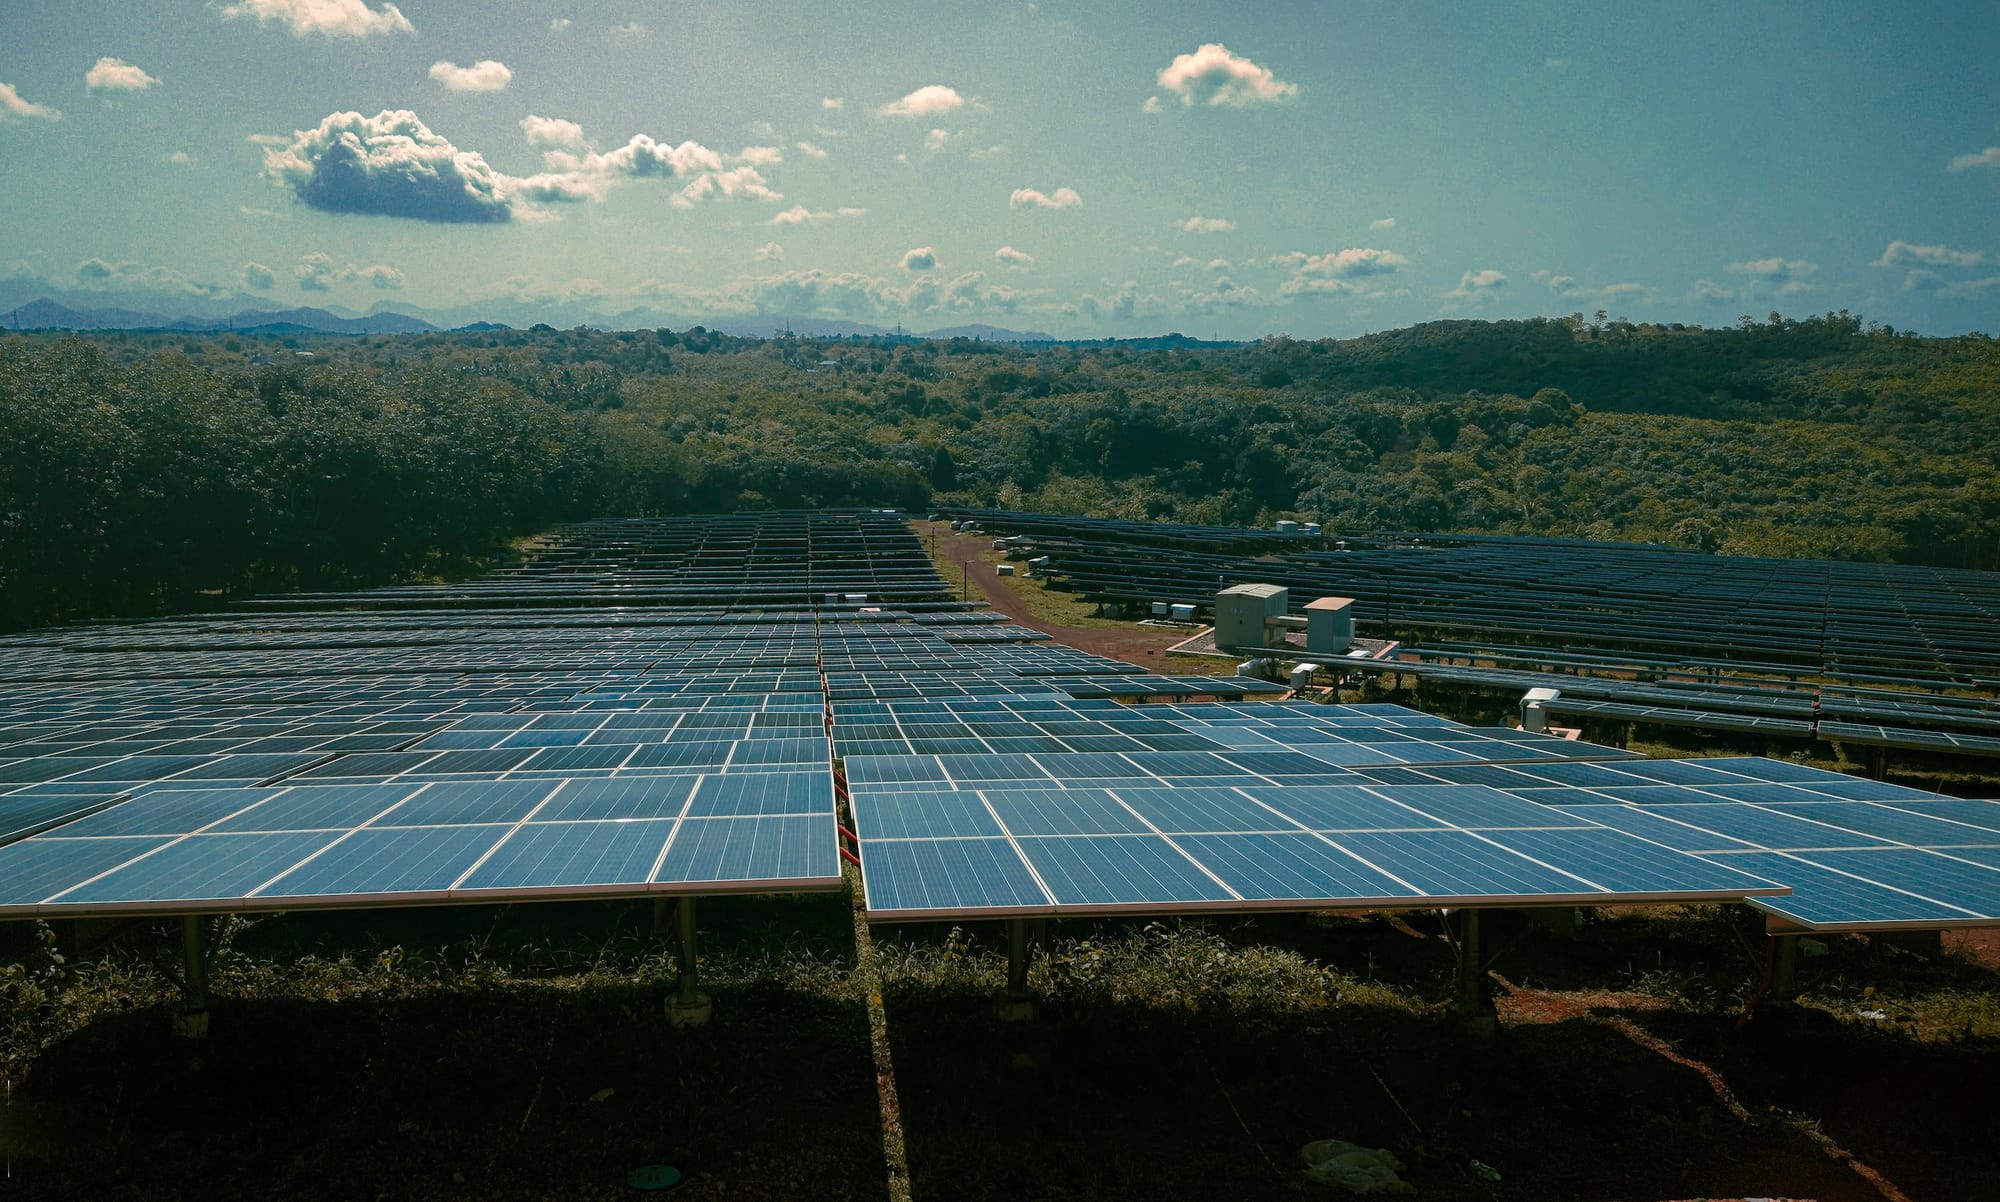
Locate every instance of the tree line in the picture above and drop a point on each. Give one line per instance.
(144, 472)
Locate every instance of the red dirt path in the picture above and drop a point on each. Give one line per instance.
(1143, 647)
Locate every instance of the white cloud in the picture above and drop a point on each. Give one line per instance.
(770, 252)
(1207, 225)
(117, 75)
(552, 131)
(486, 75)
(257, 278)
(1988, 158)
(935, 139)
(1901, 253)
(833, 104)
(1153, 104)
(390, 164)
(96, 274)
(1220, 265)
(1014, 258)
(921, 258)
(1061, 198)
(330, 18)
(1709, 290)
(1336, 271)
(760, 156)
(576, 176)
(925, 101)
(317, 273)
(1477, 285)
(558, 24)
(811, 151)
(1382, 223)
(801, 215)
(12, 107)
(990, 152)
(181, 157)
(630, 29)
(1775, 270)
(1212, 75)
(849, 212)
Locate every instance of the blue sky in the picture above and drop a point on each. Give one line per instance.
(1084, 169)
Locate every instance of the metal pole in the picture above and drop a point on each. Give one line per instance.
(191, 1020)
(1784, 967)
(689, 991)
(1472, 1004)
(1017, 955)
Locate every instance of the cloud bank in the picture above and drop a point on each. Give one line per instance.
(390, 165)
(328, 18)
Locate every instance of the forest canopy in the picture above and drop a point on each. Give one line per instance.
(143, 472)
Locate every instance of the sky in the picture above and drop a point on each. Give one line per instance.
(1082, 169)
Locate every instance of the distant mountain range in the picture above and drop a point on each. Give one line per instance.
(45, 313)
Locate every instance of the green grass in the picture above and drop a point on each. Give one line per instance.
(466, 1052)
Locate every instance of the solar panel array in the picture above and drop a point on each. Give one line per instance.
(1872, 654)
(536, 735)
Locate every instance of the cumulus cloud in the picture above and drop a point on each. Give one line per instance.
(1475, 285)
(98, 274)
(558, 24)
(117, 75)
(391, 165)
(760, 156)
(630, 29)
(1214, 76)
(329, 18)
(1014, 258)
(1709, 290)
(833, 103)
(1336, 271)
(936, 138)
(317, 273)
(257, 278)
(1207, 225)
(925, 101)
(921, 258)
(1061, 198)
(1382, 223)
(810, 151)
(182, 158)
(1153, 104)
(1903, 254)
(1988, 158)
(1774, 270)
(14, 108)
(801, 215)
(770, 252)
(547, 132)
(486, 75)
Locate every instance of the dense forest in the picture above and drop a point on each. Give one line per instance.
(141, 472)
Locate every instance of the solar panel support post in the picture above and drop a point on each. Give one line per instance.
(1017, 1005)
(191, 1018)
(1784, 968)
(689, 1006)
(1472, 1009)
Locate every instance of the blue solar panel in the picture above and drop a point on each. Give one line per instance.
(1475, 806)
(33, 869)
(1062, 812)
(1341, 808)
(623, 797)
(954, 876)
(1616, 864)
(724, 850)
(469, 802)
(315, 807)
(1821, 896)
(768, 793)
(1119, 870)
(923, 815)
(199, 868)
(170, 813)
(570, 855)
(1297, 867)
(389, 860)
(1457, 863)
